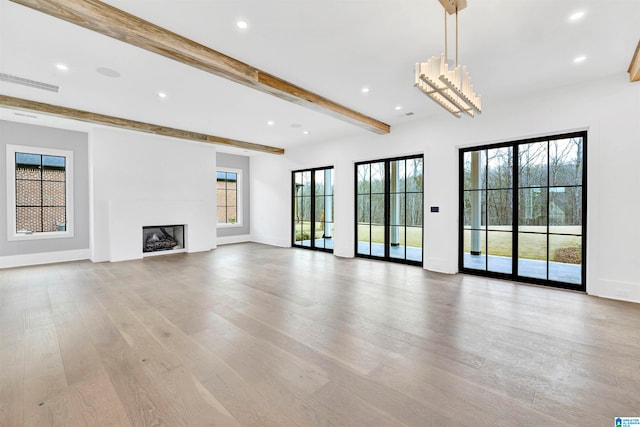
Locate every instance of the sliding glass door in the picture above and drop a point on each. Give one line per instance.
(312, 208)
(522, 210)
(389, 209)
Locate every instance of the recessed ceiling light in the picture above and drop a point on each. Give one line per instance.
(576, 16)
(365, 90)
(62, 67)
(162, 95)
(242, 24)
(271, 123)
(579, 59)
(398, 107)
(306, 132)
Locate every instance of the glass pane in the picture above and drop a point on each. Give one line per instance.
(414, 243)
(222, 214)
(500, 208)
(297, 184)
(377, 208)
(306, 183)
(319, 183)
(232, 215)
(565, 161)
(397, 242)
(532, 170)
(231, 197)
(319, 209)
(499, 250)
(532, 209)
(297, 228)
(221, 180)
(53, 161)
(397, 209)
(28, 159)
(475, 166)
(28, 219)
(321, 216)
(364, 178)
(328, 210)
(500, 168)
(377, 178)
(377, 240)
(28, 193)
(415, 181)
(328, 180)
(566, 259)
(397, 176)
(364, 209)
(53, 193)
(532, 255)
(54, 174)
(303, 236)
(53, 219)
(298, 207)
(565, 210)
(474, 249)
(305, 208)
(414, 209)
(364, 239)
(474, 208)
(28, 172)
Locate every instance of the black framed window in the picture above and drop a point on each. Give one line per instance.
(523, 210)
(41, 193)
(389, 209)
(313, 208)
(228, 196)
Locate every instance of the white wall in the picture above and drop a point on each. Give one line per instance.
(139, 180)
(29, 252)
(610, 111)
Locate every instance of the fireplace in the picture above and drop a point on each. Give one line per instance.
(162, 238)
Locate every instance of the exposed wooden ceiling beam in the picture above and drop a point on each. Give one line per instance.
(116, 23)
(634, 67)
(101, 119)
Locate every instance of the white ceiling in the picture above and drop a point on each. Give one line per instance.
(330, 47)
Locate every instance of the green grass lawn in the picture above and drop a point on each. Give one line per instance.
(532, 246)
(562, 248)
(414, 235)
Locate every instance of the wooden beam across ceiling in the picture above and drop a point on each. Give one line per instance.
(634, 67)
(101, 119)
(113, 22)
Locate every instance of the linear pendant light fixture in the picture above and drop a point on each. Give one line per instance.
(451, 89)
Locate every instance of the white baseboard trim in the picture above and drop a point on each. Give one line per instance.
(43, 258)
(614, 289)
(439, 265)
(233, 239)
(269, 240)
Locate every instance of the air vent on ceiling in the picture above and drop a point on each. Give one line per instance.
(27, 82)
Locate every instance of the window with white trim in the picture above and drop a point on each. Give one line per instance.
(229, 197)
(40, 193)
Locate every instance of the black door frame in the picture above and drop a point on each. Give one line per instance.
(387, 202)
(313, 208)
(515, 218)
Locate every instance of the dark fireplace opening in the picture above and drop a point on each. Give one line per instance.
(162, 238)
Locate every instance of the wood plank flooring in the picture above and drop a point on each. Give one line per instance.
(252, 335)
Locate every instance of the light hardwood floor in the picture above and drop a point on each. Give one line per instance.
(254, 335)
